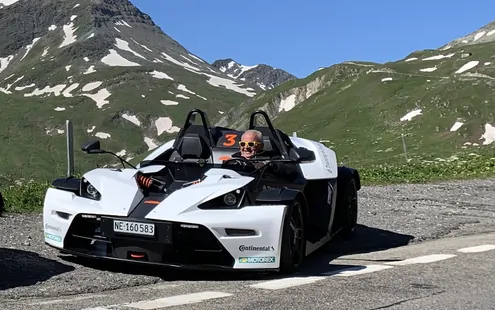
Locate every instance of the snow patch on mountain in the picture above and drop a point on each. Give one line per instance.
(124, 45)
(131, 118)
(69, 35)
(468, 66)
(4, 3)
(234, 70)
(114, 59)
(222, 82)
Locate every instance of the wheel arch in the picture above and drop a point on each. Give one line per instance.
(348, 172)
(284, 196)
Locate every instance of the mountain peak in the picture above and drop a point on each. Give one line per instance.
(231, 67)
(106, 66)
(262, 75)
(484, 34)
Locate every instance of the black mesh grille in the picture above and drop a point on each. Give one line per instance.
(175, 243)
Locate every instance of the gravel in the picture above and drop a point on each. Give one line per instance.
(389, 216)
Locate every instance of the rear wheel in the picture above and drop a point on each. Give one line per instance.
(2, 204)
(351, 209)
(293, 239)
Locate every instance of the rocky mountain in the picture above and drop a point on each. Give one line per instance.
(107, 67)
(483, 35)
(264, 76)
(436, 103)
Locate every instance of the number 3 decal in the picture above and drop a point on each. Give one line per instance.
(230, 139)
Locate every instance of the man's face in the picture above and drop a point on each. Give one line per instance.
(249, 145)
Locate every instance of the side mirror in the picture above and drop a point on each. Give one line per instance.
(302, 154)
(92, 146)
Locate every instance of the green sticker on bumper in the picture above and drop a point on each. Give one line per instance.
(53, 237)
(257, 260)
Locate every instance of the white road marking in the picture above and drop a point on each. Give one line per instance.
(356, 270)
(274, 284)
(56, 301)
(161, 286)
(287, 282)
(477, 249)
(422, 259)
(176, 300)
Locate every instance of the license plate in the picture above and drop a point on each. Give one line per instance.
(135, 228)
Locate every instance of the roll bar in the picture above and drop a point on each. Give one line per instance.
(189, 122)
(274, 134)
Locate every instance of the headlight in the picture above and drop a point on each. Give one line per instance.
(232, 200)
(89, 191)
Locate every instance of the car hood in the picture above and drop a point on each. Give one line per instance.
(121, 196)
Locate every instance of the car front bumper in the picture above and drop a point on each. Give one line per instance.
(173, 244)
(246, 238)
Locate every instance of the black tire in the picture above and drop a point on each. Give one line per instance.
(350, 212)
(293, 239)
(2, 205)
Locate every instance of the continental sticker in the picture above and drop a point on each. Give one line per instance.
(257, 260)
(251, 248)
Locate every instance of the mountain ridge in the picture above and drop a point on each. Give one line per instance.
(107, 67)
(120, 78)
(483, 34)
(437, 100)
(262, 75)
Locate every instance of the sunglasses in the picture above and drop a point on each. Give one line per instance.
(248, 143)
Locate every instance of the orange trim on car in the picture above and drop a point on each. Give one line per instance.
(152, 202)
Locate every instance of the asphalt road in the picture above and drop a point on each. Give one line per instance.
(423, 216)
(452, 273)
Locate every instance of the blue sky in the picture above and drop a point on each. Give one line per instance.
(302, 35)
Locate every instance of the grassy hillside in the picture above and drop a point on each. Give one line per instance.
(32, 128)
(358, 106)
(106, 67)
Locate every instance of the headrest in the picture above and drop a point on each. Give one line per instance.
(193, 146)
(267, 144)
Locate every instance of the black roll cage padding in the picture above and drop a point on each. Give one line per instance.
(274, 133)
(190, 118)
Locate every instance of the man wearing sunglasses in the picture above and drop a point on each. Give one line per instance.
(251, 144)
(251, 147)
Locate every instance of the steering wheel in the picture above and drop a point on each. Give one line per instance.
(242, 161)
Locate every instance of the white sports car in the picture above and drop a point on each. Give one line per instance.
(186, 206)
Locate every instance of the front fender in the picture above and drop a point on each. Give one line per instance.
(283, 196)
(277, 195)
(347, 173)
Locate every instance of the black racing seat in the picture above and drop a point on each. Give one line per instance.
(273, 138)
(267, 144)
(191, 148)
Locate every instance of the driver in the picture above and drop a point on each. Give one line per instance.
(251, 148)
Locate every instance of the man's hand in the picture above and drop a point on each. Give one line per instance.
(258, 164)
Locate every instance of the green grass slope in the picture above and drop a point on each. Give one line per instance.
(32, 128)
(118, 78)
(358, 106)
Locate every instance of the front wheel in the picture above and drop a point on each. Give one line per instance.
(293, 239)
(2, 204)
(351, 210)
